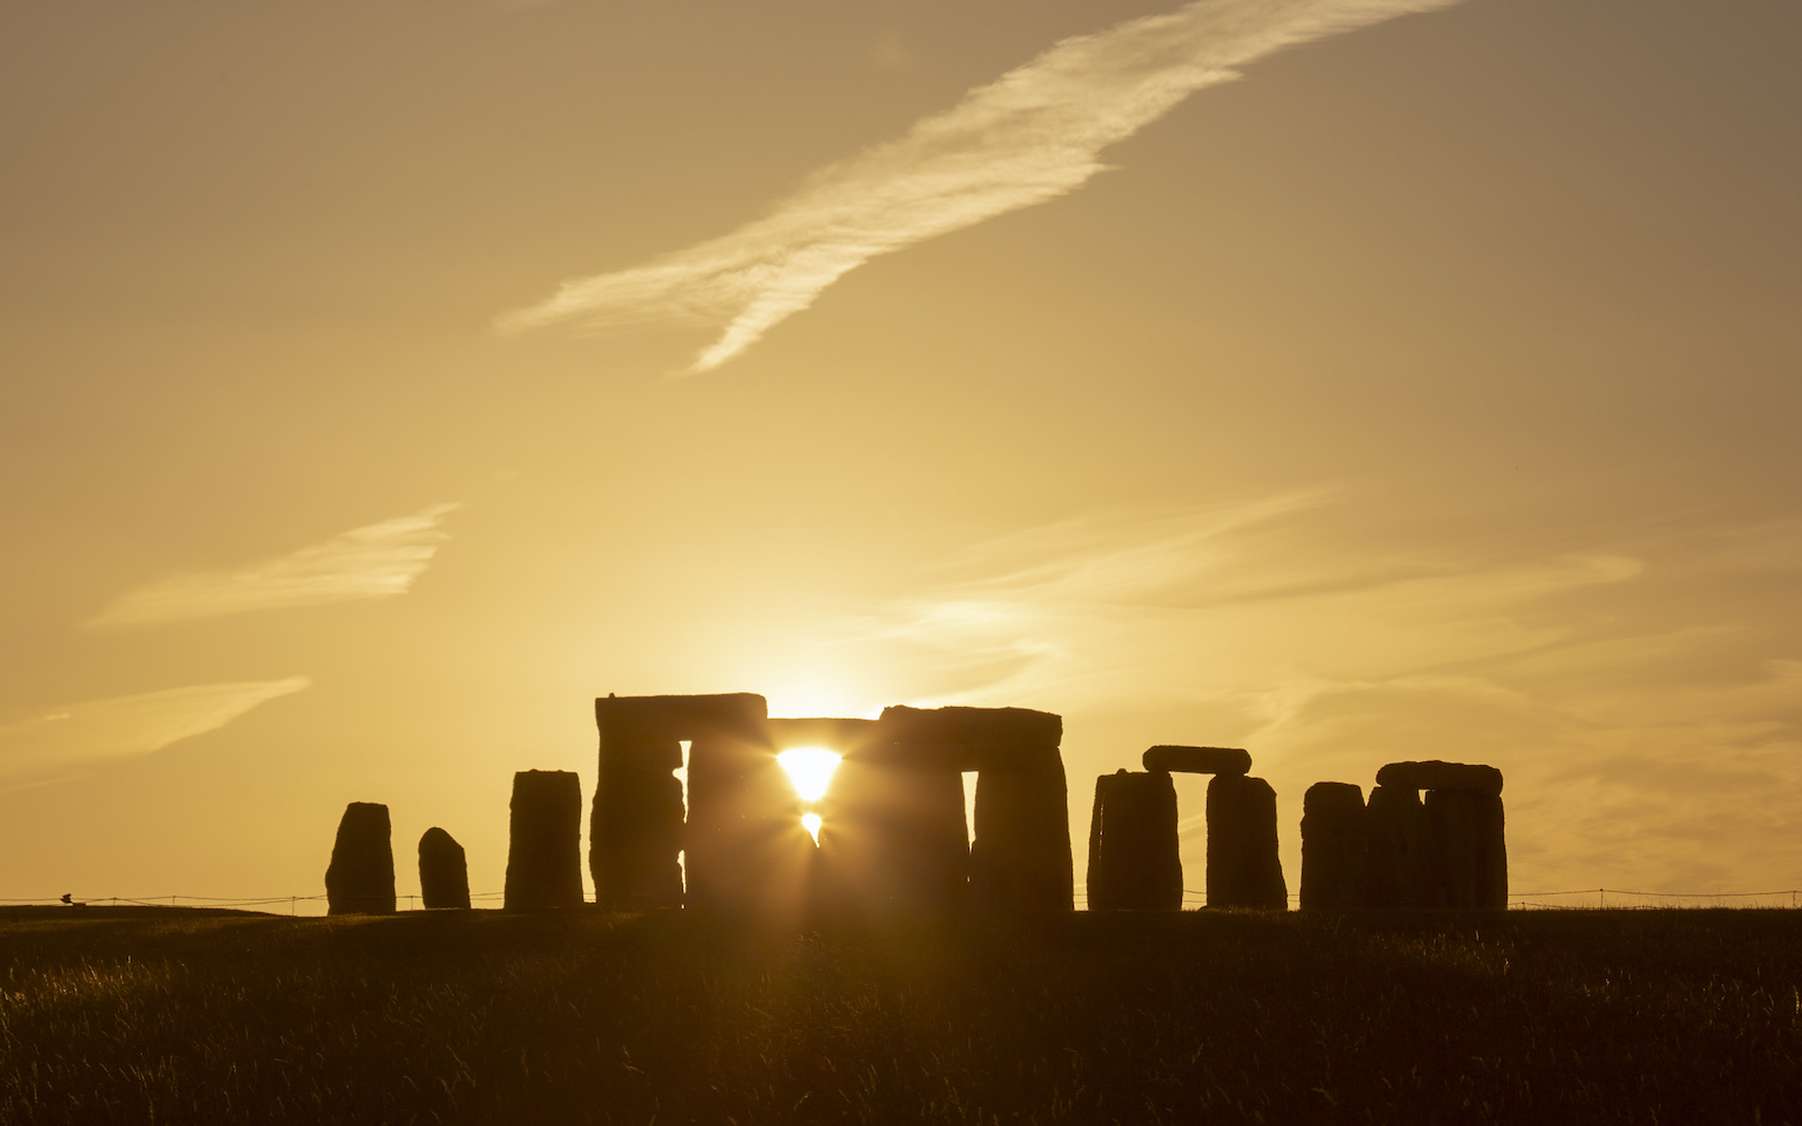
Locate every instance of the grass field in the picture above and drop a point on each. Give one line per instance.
(174, 1016)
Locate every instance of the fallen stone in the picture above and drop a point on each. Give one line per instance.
(1134, 859)
(360, 878)
(1334, 843)
(1198, 760)
(544, 854)
(1243, 867)
(1436, 775)
(1395, 870)
(443, 871)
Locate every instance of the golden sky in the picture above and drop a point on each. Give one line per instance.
(1350, 380)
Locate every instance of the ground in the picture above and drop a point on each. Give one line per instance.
(175, 1016)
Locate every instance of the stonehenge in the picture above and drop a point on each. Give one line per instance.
(878, 827)
(636, 831)
(1020, 861)
(443, 871)
(1198, 760)
(1333, 846)
(744, 844)
(1243, 867)
(1134, 864)
(894, 839)
(360, 878)
(1449, 850)
(544, 855)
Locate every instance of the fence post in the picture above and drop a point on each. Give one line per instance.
(1602, 898)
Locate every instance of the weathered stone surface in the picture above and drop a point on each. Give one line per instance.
(746, 847)
(1134, 861)
(1435, 775)
(968, 738)
(1395, 872)
(1243, 867)
(1198, 760)
(1334, 843)
(1020, 858)
(1467, 861)
(360, 878)
(893, 838)
(636, 829)
(443, 871)
(544, 847)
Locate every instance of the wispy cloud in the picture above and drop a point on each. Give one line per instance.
(1649, 721)
(1032, 135)
(379, 560)
(66, 741)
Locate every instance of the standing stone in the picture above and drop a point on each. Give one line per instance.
(1134, 859)
(360, 878)
(1467, 860)
(1334, 842)
(544, 845)
(636, 833)
(893, 838)
(746, 849)
(1020, 858)
(1243, 867)
(443, 871)
(1198, 760)
(1395, 873)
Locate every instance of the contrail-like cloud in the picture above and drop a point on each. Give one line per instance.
(1032, 135)
(380, 560)
(71, 739)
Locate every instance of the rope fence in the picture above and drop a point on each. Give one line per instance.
(1577, 899)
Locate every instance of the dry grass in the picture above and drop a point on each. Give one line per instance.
(174, 1016)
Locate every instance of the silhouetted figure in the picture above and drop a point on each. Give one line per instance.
(1334, 845)
(1395, 872)
(360, 878)
(1134, 859)
(1020, 860)
(443, 871)
(544, 855)
(1198, 760)
(637, 827)
(1243, 867)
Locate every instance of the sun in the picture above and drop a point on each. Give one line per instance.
(809, 770)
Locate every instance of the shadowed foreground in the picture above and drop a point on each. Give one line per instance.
(126, 1016)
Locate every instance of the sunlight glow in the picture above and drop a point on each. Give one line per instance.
(809, 770)
(811, 822)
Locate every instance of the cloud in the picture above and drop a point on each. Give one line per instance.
(1034, 134)
(379, 560)
(64, 742)
(1648, 716)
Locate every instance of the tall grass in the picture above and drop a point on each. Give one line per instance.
(176, 1017)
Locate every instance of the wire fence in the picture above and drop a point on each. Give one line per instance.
(1577, 899)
